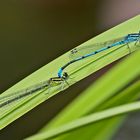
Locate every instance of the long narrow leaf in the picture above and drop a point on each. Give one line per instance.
(88, 120)
(77, 72)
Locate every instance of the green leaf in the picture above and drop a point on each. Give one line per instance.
(88, 120)
(105, 129)
(76, 71)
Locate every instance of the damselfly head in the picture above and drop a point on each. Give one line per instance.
(65, 75)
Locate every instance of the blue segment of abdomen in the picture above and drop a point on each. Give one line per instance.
(60, 73)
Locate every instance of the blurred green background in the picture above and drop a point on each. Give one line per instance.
(34, 32)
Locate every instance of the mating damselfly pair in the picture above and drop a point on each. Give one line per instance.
(76, 54)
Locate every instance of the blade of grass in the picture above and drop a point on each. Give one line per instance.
(11, 113)
(88, 120)
(130, 94)
(105, 129)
